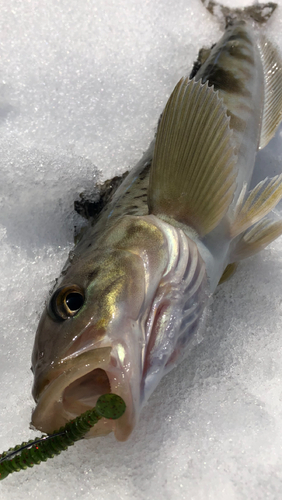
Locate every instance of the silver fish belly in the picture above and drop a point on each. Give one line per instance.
(136, 288)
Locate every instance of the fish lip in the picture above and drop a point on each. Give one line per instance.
(51, 413)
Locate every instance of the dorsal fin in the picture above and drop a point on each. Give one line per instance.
(193, 173)
(272, 69)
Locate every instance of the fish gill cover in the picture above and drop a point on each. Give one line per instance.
(82, 87)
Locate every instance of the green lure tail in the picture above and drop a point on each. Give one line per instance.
(39, 450)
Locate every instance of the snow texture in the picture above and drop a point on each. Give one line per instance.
(82, 84)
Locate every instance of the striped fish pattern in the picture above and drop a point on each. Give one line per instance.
(136, 287)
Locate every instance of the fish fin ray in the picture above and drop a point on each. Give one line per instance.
(272, 69)
(259, 202)
(193, 173)
(257, 238)
(228, 272)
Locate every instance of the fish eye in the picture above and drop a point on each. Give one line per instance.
(66, 302)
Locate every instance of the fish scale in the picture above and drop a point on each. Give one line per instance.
(234, 68)
(129, 198)
(137, 286)
(230, 67)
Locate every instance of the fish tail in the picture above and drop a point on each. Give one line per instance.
(259, 12)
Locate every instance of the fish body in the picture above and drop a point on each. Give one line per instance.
(234, 67)
(136, 288)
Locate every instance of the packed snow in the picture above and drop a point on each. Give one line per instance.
(82, 85)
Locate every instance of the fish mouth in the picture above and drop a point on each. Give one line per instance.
(74, 385)
(84, 391)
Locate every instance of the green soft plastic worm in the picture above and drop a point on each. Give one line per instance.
(39, 450)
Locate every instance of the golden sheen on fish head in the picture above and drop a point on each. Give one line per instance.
(118, 321)
(91, 335)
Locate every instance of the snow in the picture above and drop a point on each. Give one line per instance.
(82, 85)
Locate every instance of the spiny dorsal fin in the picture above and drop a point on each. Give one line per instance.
(272, 69)
(193, 173)
(260, 201)
(257, 238)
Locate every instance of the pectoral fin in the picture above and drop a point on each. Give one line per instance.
(260, 201)
(272, 68)
(193, 174)
(257, 238)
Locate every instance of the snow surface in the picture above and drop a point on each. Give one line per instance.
(82, 84)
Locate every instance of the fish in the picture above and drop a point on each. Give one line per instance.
(136, 288)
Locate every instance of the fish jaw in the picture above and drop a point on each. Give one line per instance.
(70, 364)
(75, 384)
(130, 333)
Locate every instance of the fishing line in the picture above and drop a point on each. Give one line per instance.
(38, 450)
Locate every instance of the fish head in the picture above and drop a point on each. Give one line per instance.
(119, 319)
(91, 336)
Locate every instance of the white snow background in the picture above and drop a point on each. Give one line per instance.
(82, 84)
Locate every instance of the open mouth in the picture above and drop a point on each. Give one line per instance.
(74, 386)
(82, 394)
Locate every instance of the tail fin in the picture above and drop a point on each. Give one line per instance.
(259, 12)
